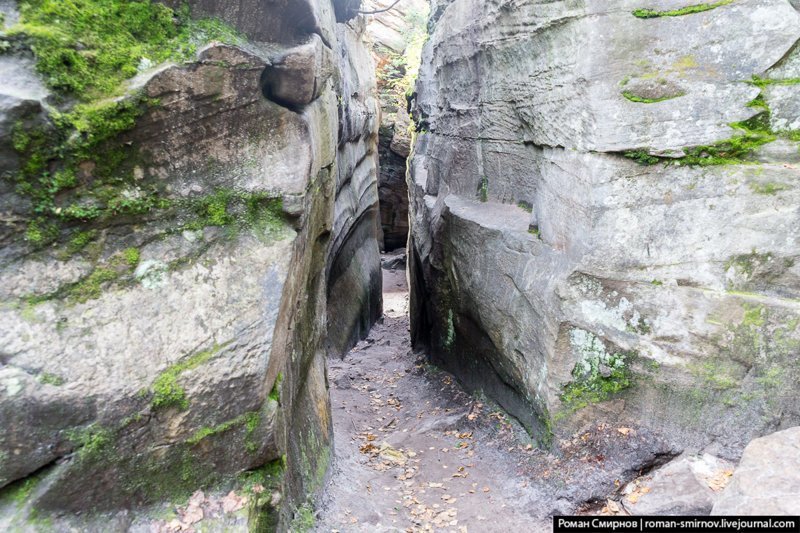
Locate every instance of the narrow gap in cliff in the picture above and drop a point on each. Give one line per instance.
(396, 37)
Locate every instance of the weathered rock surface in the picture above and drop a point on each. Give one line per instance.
(572, 283)
(354, 273)
(181, 346)
(767, 480)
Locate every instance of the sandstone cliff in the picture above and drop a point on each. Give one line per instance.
(604, 212)
(167, 248)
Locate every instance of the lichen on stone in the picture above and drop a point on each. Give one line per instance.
(598, 374)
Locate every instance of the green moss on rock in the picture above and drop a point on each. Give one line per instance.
(167, 390)
(688, 10)
(644, 100)
(87, 48)
(598, 375)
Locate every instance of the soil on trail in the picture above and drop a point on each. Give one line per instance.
(414, 452)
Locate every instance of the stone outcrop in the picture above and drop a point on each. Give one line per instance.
(767, 480)
(165, 331)
(603, 208)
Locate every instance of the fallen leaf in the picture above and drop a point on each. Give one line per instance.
(625, 431)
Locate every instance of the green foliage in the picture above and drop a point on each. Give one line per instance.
(87, 48)
(91, 441)
(51, 379)
(642, 100)
(397, 73)
(688, 10)
(167, 391)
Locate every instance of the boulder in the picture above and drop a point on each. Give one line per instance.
(686, 486)
(298, 76)
(767, 479)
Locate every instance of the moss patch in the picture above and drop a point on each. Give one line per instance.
(166, 389)
(91, 442)
(598, 374)
(236, 210)
(87, 48)
(643, 100)
(749, 135)
(72, 169)
(249, 420)
(688, 10)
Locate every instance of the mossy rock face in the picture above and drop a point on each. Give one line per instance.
(157, 287)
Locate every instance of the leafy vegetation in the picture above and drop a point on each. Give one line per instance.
(397, 73)
(86, 50)
(688, 10)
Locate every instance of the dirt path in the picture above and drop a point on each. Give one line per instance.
(413, 451)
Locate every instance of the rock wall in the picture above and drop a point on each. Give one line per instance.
(604, 212)
(355, 299)
(165, 317)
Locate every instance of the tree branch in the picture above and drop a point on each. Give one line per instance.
(384, 10)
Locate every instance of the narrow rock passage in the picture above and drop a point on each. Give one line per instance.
(414, 452)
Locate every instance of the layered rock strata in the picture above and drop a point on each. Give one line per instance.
(604, 212)
(165, 331)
